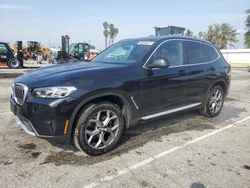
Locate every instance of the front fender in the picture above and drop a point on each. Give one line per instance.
(91, 96)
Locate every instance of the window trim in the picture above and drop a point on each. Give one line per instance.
(145, 64)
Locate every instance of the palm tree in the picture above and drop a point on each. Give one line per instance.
(115, 33)
(189, 33)
(111, 33)
(247, 34)
(221, 35)
(106, 33)
(202, 35)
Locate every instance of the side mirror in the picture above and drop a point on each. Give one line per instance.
(158, 63)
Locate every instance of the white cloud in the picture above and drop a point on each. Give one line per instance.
(13, 7)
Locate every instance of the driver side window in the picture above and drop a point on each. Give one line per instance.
(172, 51)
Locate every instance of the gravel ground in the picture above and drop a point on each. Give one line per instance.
(185, 150)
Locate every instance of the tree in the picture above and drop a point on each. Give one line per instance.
(106, 33)
(202, 35)
(113, 31)
(110, 31)
(189, 33)
(247, 34)
(221, 35)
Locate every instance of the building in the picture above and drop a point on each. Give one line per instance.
(237, 57)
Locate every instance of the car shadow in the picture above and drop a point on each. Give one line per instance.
(145, 132)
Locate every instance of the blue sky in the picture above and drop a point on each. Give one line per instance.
(46, 21)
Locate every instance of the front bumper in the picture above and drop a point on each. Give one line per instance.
(26, 126)
(42, 120)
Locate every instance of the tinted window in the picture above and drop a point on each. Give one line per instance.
(80, 48)
(212, 54)
(199, 53)
(171, 51)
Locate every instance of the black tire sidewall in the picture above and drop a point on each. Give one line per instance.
(39, 54)
(14, 67)
(211, 114)
(84, 118)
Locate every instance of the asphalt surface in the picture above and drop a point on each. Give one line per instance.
(185, 150)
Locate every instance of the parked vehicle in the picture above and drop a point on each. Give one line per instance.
(74, 52)
(34, 50)
(133, 80)
(8, 57)
(169, 30)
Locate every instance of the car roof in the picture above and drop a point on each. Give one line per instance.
(163, 38)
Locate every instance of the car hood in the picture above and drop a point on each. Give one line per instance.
(56, 74)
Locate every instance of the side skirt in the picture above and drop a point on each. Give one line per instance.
(171, 111)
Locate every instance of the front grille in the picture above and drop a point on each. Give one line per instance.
(19, 93)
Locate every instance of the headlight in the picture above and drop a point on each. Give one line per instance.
(54, 92)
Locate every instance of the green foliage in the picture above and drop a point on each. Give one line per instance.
(189, 33)
(109, 31)
(221, 35)
(247, 34)
(91, 46)
(106, 32)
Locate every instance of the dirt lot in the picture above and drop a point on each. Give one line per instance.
(186, 150)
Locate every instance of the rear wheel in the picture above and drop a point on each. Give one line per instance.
(99, 128)
(14, 63)
(214, 102)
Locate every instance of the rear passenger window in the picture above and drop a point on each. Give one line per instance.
(199, 53)
(212, 54)
(171, 51)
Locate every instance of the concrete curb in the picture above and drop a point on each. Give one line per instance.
(9, 75)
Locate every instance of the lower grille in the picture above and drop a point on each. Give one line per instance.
(19, 92)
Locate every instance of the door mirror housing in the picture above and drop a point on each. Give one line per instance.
(158, 63)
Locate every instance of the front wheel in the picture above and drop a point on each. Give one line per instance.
(39, 56)
(99, 128)
(214, 102)
(14, 63)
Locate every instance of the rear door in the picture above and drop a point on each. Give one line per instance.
(200, 60)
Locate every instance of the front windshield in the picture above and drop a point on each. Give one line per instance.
(72, 48)
(126, 51)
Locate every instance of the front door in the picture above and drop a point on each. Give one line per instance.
(164, 88)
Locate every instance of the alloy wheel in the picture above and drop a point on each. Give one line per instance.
(216, 101)
(102, 129)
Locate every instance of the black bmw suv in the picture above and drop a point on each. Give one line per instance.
(133, 80)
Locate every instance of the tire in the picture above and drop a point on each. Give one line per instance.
(39, 56)
(99, 128)
(214, 102)
(14, 63)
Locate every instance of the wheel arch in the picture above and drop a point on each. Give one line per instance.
(114, 97)
(221, 83)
